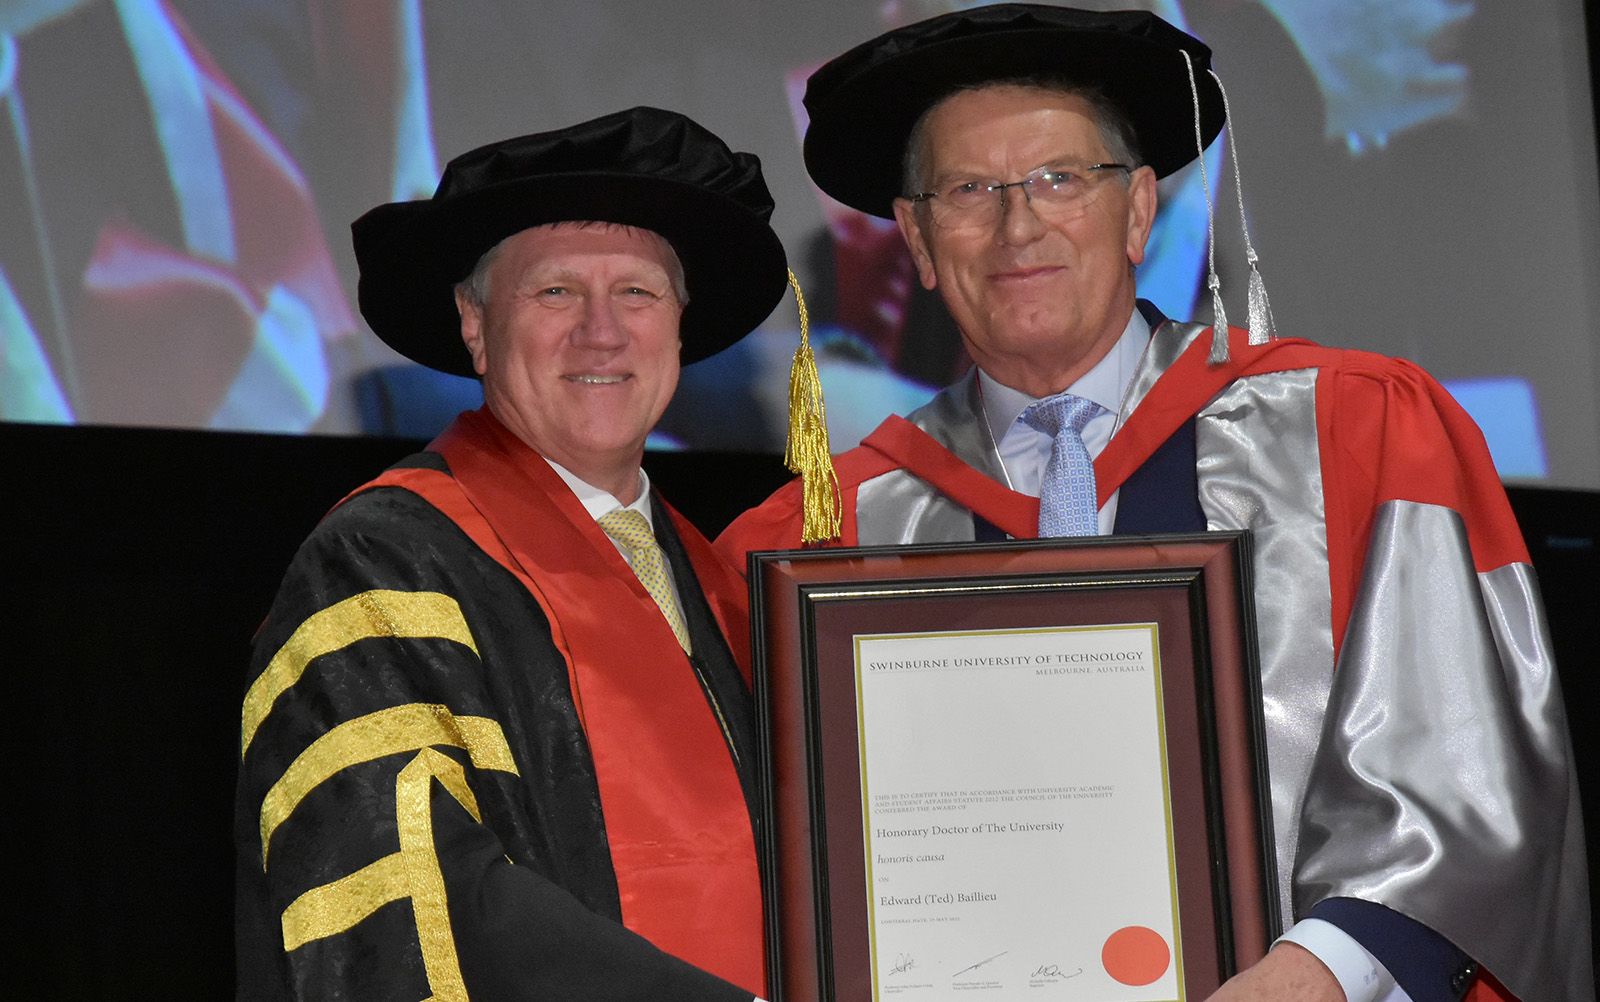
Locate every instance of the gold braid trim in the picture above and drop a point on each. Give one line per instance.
(334, 907)
(386, 732)
(377, 613)
(413, 872)
(426, 881)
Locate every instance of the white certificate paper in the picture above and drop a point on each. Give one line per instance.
(1016, 815)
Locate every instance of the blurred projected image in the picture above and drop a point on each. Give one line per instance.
(180, 176)
(165, 256)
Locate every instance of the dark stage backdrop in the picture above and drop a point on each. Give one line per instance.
(138, 564)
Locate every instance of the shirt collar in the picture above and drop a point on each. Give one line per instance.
(1106, 383)
(598, 502)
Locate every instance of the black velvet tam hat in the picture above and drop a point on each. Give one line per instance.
(864, 104)
(657, 170)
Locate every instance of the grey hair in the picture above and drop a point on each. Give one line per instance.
(1116, 131)
(475, 287)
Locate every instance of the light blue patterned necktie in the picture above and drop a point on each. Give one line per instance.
(1067, 493)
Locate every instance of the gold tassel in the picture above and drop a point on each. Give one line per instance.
(807, 450)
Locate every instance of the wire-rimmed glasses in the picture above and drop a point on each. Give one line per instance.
(1056, 192)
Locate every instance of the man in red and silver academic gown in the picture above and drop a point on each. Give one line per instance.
(498, 738)
(1429, 841)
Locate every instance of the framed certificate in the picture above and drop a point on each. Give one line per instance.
(1030, 770)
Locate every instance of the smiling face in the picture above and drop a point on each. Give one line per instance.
(577, 344)
(1039, 297)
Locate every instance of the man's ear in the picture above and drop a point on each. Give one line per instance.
(472, 330)
(911, 228)
(1141, 212)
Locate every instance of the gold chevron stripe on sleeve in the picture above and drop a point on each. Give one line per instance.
(377, 613)
(413, 873)
(334, 907)
(387, 732)
(428, 900)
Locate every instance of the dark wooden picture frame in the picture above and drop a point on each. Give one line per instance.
(807, 608)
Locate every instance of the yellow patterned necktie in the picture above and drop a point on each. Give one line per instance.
(628, 527)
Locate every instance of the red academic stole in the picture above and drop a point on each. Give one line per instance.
(1195, 382)
(675, 814)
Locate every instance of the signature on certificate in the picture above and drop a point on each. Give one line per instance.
(979, 963)
(903, 962)
(1053, 972)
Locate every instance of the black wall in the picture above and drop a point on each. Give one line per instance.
(138, 564)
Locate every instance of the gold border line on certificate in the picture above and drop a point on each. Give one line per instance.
(1166, 796)
(957, 589)
(866, 817)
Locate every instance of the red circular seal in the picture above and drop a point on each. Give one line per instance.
(1135, 955)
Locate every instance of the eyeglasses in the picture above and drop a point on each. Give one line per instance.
(1056, 193)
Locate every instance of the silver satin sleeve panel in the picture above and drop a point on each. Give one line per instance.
(898, 507)
(1259, 469)
(1444, 787)
(1167, 341)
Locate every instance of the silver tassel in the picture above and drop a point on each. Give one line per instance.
(1262, 326)
(1219, 315)
(1219, 322)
